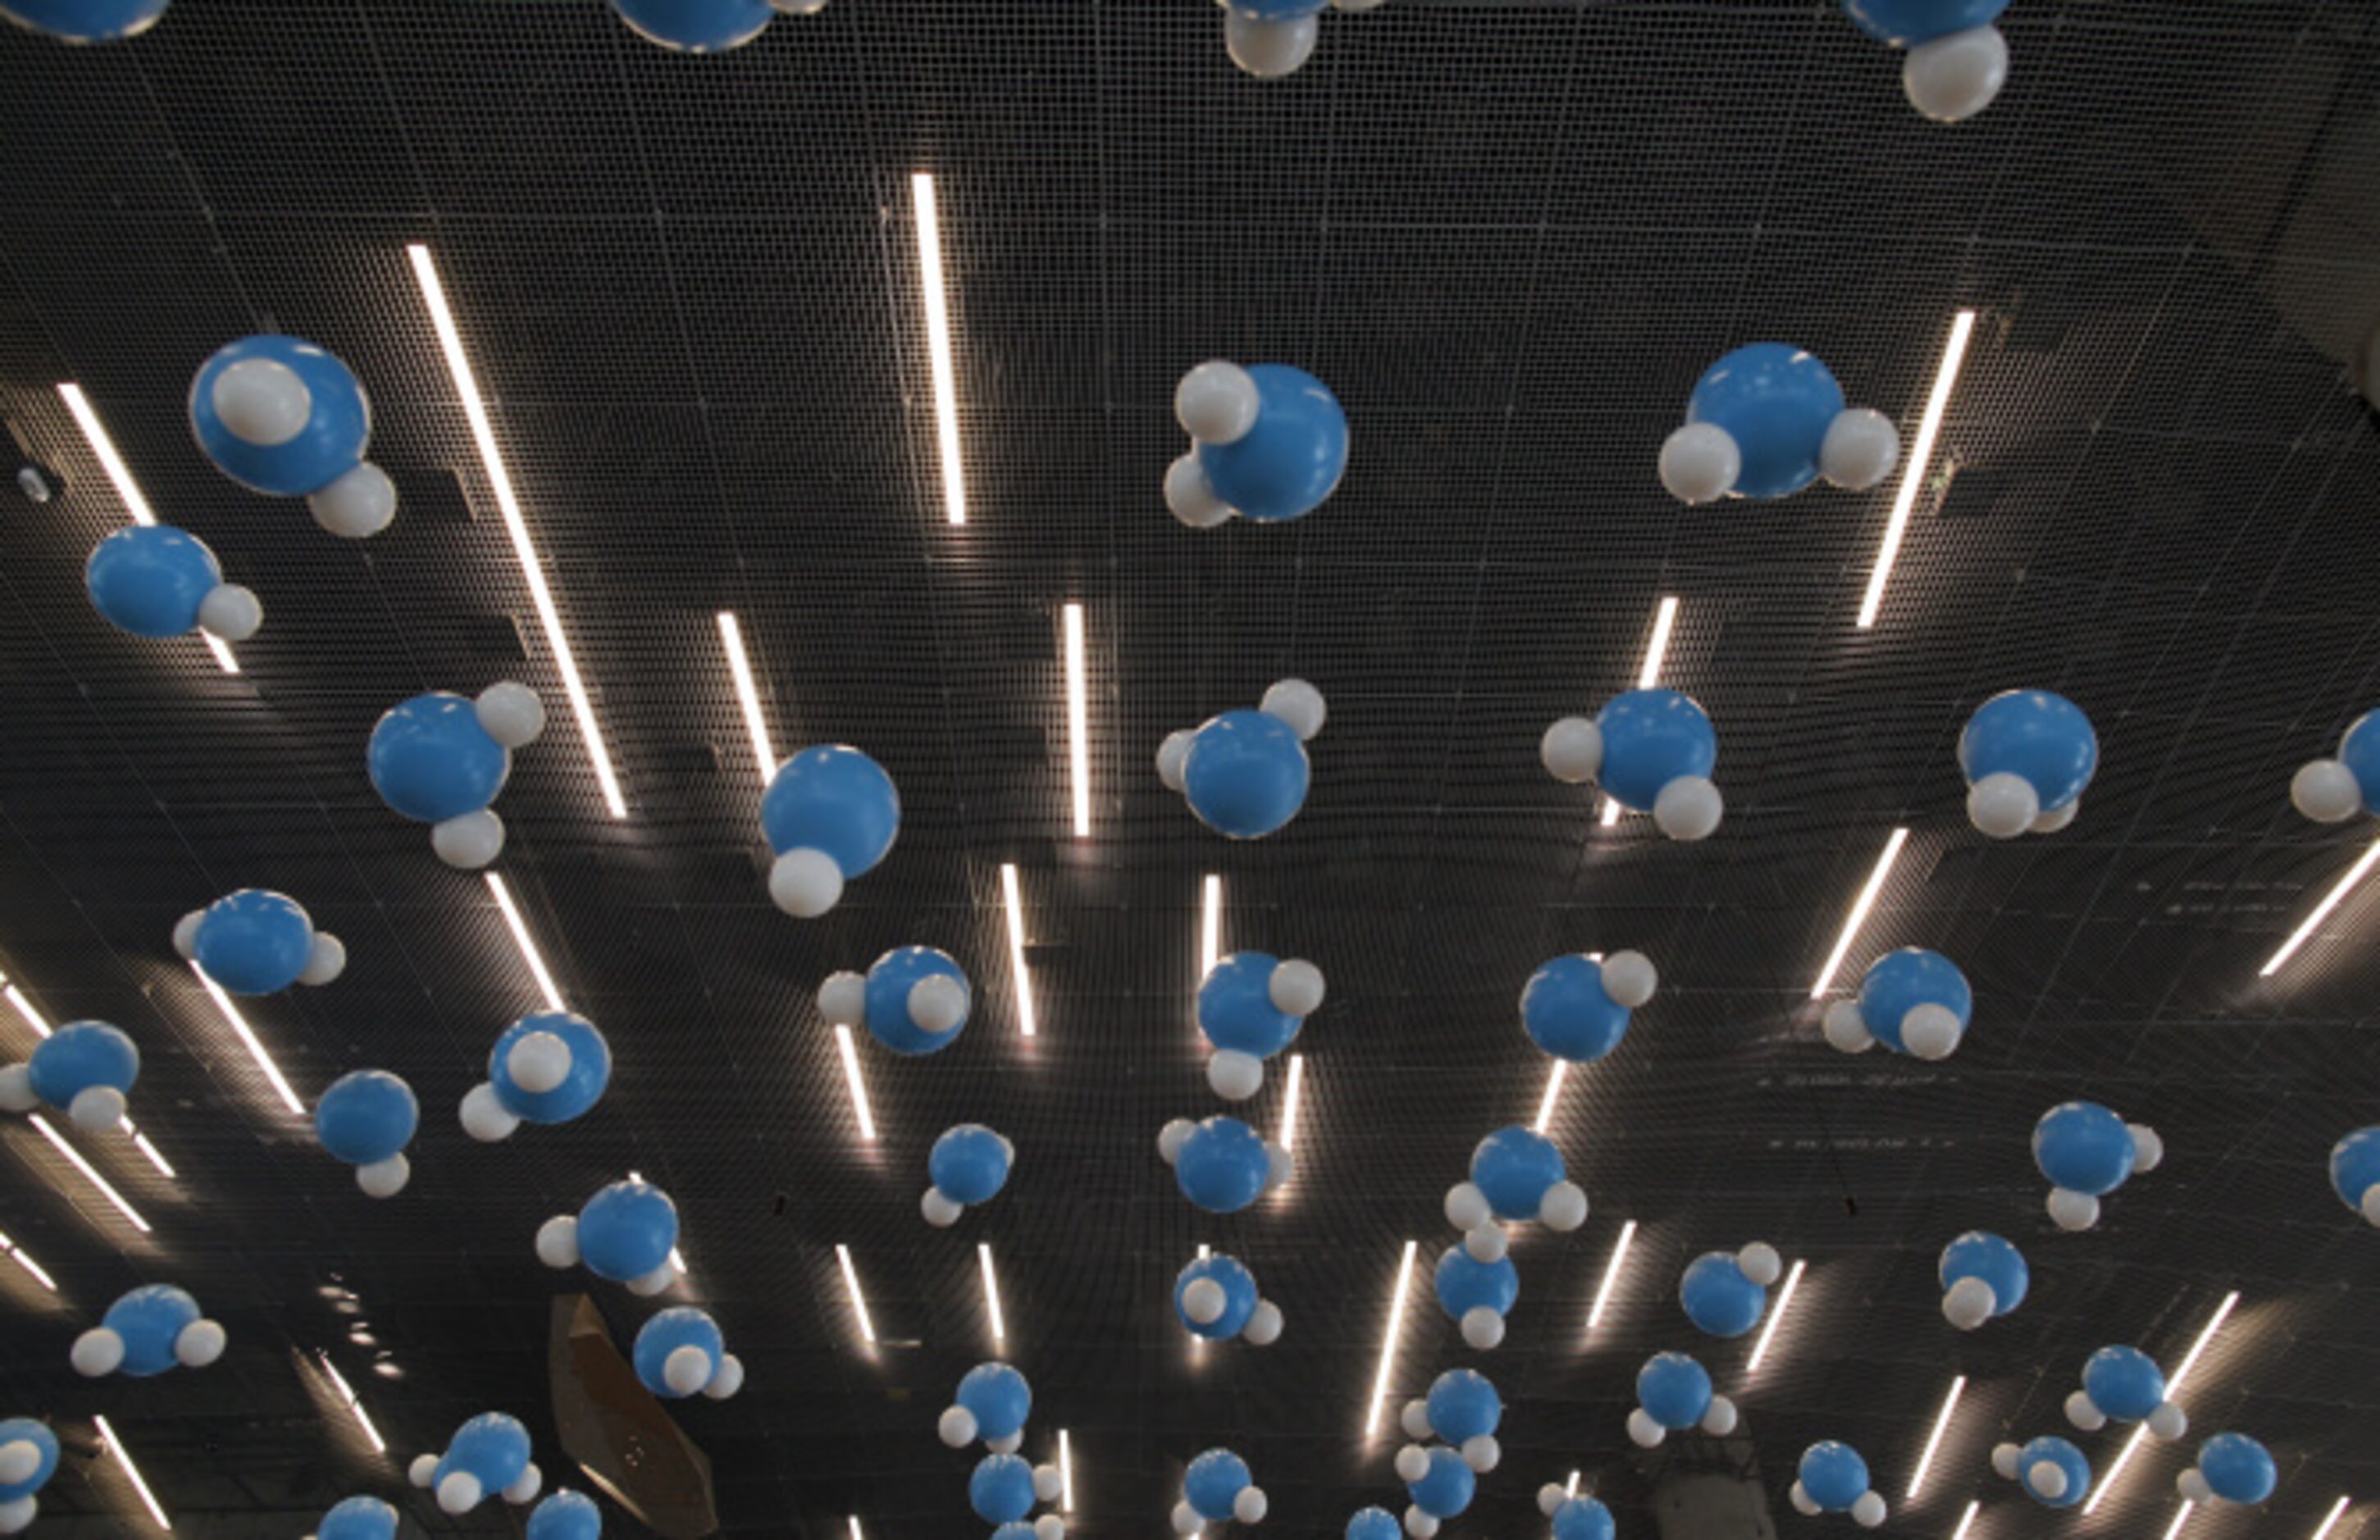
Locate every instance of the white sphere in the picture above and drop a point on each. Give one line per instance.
(1931, 1031)
(1969, 1303)
(231, 611)
(2194, 1487)
(1169, 1138)
(262, 402)
(522, 1490)
(1466, 1206)
(484, 1117)
(2326, 791)
(1264, 1325)
(1251, 1505)
(96, 1352)
(2148, 1149)
(1860, 449)
(358, 505)
(2003, 805)
(1009, 1445)
(727, 1379)
(2051, 819)
(1047, 1484)
(1956, 76)
(1482, 1453)
(1629, 978)
(1418, 1524)
(1186, 1520)
(1487, 1243)
(2371, 1204)
(647, 1285)
(1719, 1417)
(1048, 1527)
(1688, 808)
(19, 1512)
(1269, 50)
(97, 1108)
(1868, 1511)
(1642, 1431)
(2084, 1413)
(325, 961)
(2073, 1210)
(1298, 703)
(1802, 1501)
(1760, 1262)
(470, 841)
(1235, 1076)
(842, 999)
(557, 1242)
(1280, 1165)
(1415, 1420)
(1482, 1327)
(1216, 403)
(2168, 1423)
(2004, 1459)
(16, 1093)
(385, 1179)
(957, 1427)
(1564, 1207)
(804, 883)
(185, 934)
(1170, 756)
(1550, 1497)
(460, 1492)
(1295, 988)
(687, 1369)
(1204, 1301)
(422, 1471)
(1571, 750)
(941, 1212)
(18, 1459)
(797, 7)
(510, 712)
(1845, 1028)
(539, 1062)
(938, 1003)
(1700, 462)
(1355, 5)
(1190, 497)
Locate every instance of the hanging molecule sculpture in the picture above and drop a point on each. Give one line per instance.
(83, 1069)
(441, 760)
(1650, 751)
(358, 1519)
(28, 1457)
(1244, 774)
(1003, 1488)
(1476, 1295)
(1834, 1479)
(548, 1067)
(2087, 1152)
(706, 26)
(1575, 1518)
(1218, 1489)
(2355, 1172)
(1215, 1297)
(969, 1164)
(366, 1119)
(147, 1331)
(626, 1233)
(154, 580)
(681, 1352)
(1766, 420)
(992, 1403)
(1725, 1293)
(566, 1515)
(1984, 1277)
(1673, 1394)
(1462, 1412)
(1270, 39)
(2333, 791)
(1913, 1000)
(1250, 1008)
(1221, 1164)
(830, 814)
(488, 1457)
(1440, 1485)
(281, 416)
(2052, 1472)
(259, 942)
(2124, 1385)
(1373, 1523)
(913, 999)
(84, 21)
(1516, 1176)
(1958, 60)
(2027, 755)
(1268, 443)
(1577, 1008)
(2232, 1468)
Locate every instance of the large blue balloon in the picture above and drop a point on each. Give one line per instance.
(1833, 1475)
(582, 1086)
(1245, 773)
(1674, 1390)
(697, 26)
(150, 1320)
(1898, 982)
(1717, 1296)
(1239, 1288)
(1584, 1519)
(358, 1519)
(1236, 1008)
(367, 1116)
(1981, 1255)
(79, 1056)
(1906, 23)
(492, 1449)
(430, 761)
(1650, 738)
(968, 1163)
(1001, 1490)
(1463, 1284)
(2237, 1468)
(1446, 1488)
(1291, 459)
(889, 979)
(832, 798)
(1463, 1405)
(1374, 1523)
(85, 21)
(2069, 1462)
(149, 579)
(254, 941)
(628, 1231)
(24, 1430)
(1777, 402)
(336, 434)
(2123, 1382)
(1222, 1166)
(1513, 1168)
(2355, 1172)
(564, 1516)
(1565, 1011)
(998, 1396)
(2082, 1148)
(664, 1335)
(2359, 750)
(1213, 1481)
(2040, 738)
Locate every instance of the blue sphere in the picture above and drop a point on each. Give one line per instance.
(150, 1320)
(1212, 1482)
(581, 1087)
(430, 761)
(1279, 10)
(1906, 23)
(2237, 1468)
(1446, 1487)
(1236, 1008)
(1239, 1287)
(1565, 1011)
(1584, 1519)
(968, 1163)
(1222, 1166)
(151, 578)
(2082, 1148)
(2355, 1169)
(998, 1399)
(1291, 459)
(1245, 774)
(332, 442)
(1717, 1296)
(1898, 982)
(2040, 738)
(1674, 1390)
(564, 1516)
(254, 941)
(1001, 1490)
(889, 979)
(627, 1231)
(367, 1116)
(1833, 1475)
(85, 21)
(695, 26)
(2052, 1450)
(2359, 750)
(666, 1333)
(832, 798)
(493, 1448)
(79, 1056)
(1020, 1530)
(1513, 1168)
(24, 1430)
(1650, 738)
(1980, 1254)
(1777, 402)
(1374, 1523)
(1464, 1284)
(1463, 1405)
(2125, 1383)
(358, 1519)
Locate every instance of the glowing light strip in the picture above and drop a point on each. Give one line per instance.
(140, 1141)
(43, 1278)
(1078, 720)
(521, 939)
(1610, 1275)
(90, 1173)
(2338, 1511)
(1664, 617)
(1011, 895)
(355, 1402)
(1288, 1101)
(1941, 1426)
(475, 411)
(1553, 1092)
(1571, 1490)
(992, 1292)
(938, 341)
(1211, 935)
(25, 1008)
(855, 1528)
(247, 1036)
(1776, 1317)
(747, 696)
(858, 1300)
(2331, 901)
(2178, 1520)
(128, 491)
(1967, 1520)
(116, 1447)
(1860, 907)
(1389, 1340)
(1066, 1474)
(851, 1072)
(1913, 473)
(2173, 1390)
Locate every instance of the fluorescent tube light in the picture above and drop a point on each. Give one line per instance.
(354, 1402)
(25, 1008)
(140, 1141)
(1967, 1520)
(1553, 1092)
(116, 1447)
(1389, 1340)
(2179, 1518)
(1912, 472)
(247, 1037)
(747, 696)
(2338, 1511)
(1078, 720)
(46, 1281)
(851, 1072)
(521, 939)
(1860, 907)
(938, 341)
(1776, 1317)
(858, 1300)
(90, 1173)
(1013, 896)
(1210, 935)
(1288, 1101)
(1941, 1426)
(992, 1292)
(2321, 911)
(1610, 1275)
(1066, 1474)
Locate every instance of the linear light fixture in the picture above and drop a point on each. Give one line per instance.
(1967, 1520)
(1066, 1474)
(1210, 934)
(1664, 617)
(1610, 1275)
(95, 433)
(938, 341)
(1860, 907)
(2338, 1511)
(858, 1300)
(858, 1090)
(140, 1141)
(46, 1281)
(247, 1037)
(747, 696)
(1776, 1317)
(2173, 1388)
(1571, 1490)
(992, 1292)
(354, 1402)
(1553, 1093)
(475, 411)
(2330, 901)
(90, 1173)
(855, 1528)
(1078, 720)
(1941, 1426)
(1011, 895)
(521, 939)
(1288, 1101)
(1389, 1340)
(1913, 473)
(116, 1447)
(24, 1007)
(2179, 1518)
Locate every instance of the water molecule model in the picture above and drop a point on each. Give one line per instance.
(147, 1331)
(441, 760)
(681, 1352)
(1268, 443)
(1765, 421)
(706, 26)
(1957, 61)
(281, 416)
(2327, 791)
(2087, 1152)
(1440, 1485)
(626, 1233)
(1515, 1176)
(2052, 1472)
(259, 942)
(1651, 751)
(1221, 1164)
(913, 999)
(487, 1457)
(566, 1515)
(2124, 1385)
(2355, 1172)
(1577, 1008)
(968, 1165)
(992, 1403)
(154, 580)
(358, 1519)
(1216, 1298)
(82, 1068)
(1725, 1293)
(1373, 1523)
(1913, 1000)
(1476, 1295)
(1244, 774)
(1575, 1518)
(1984, 1277)
(28, 1457)
(1250, 1008)
(1002, 1489)
(1270, 39)
(1673, 1393)
(2026, 755)
(1833, 1479)
(1462, 1412)
(1217, 1490)
(366, 1119)
(84, 21)
(830, 814)
(548, 1067)
(2231, 1468)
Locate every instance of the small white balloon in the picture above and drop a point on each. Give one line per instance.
(185, 934)
(1688, 808)
(1860, 449)
(1217, 402)
(1298, 703)
(484, 1117)
(1204, 1301)
(1295, 988)
(1171, 755)
(842, 999)
(1009, 1445)
(2073, 1210)
(1563, 1207)
(2148, 1149)
(2371, 1204)
(459, 1492)
(358, 505)
(1642, 1431)
(1845, 1029)
(539, 1062)
(1482, 1453)
(18, 1513)
(1571, 750)
(1930, 1031)
(727, 1380)
(2194, 1486)
(511, 713)
(1269, 50)
(2004, 1459)
(1700, 462)
(557, 1242)
(1466, 1206)
(654, 1282)
(1250, 1505)
(1969, 1303)
(2084, 1413)
(797, 7)
(1234, 1076)
(1868, 1511)
(1550, 1497)
(97, 1108)
(262, 402)
(1760, 1262)
(325, 961)
(1418, 1524)
(957, 1427)
(1264, 1324)
(1956, 76)
(1486, 1244)
(938, 1003)
(1482, 1327)
(804, 883)
(97, 1351)
(1280, 1165)
(470, 841)
(385, 1179)
(941, 1211)
(522, 1490)
(687, 1369)
(1802, 1502)
(1169, 1138)
(423, 1469)
(1190, 496)
(2002, 805)
(1186, 1520)
(2168, 1422)
(2326, 791)
(16, 1092)
(231, 611)
(2049, 820)
(1048, 1527)
(1718, 1418)
(19, 1459)
(1629, 978)
(1047, 1482)
(1415, 1420)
